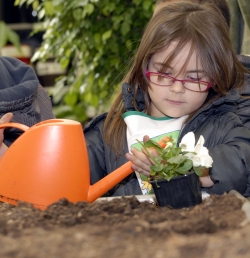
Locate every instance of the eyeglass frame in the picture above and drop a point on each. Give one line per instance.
(147, 73)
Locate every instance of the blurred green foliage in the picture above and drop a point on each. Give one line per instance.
(7, 35)
(94, 40)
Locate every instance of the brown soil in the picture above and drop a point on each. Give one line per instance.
(125, 228)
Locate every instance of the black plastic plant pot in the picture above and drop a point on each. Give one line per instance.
(179, 192)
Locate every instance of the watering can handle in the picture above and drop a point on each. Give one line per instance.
(15, 125)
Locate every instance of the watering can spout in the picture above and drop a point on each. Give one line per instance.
(105, 184)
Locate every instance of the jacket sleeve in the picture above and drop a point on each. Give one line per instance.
(243, 104)
(231, 157)
(104, 161)
(95, 145)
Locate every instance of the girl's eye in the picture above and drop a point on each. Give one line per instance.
(166, 73)
(194, 79)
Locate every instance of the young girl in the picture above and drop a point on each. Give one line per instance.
(243, 103)
(185, 70)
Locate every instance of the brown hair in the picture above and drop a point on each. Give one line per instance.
(201, 26)
(221, 4)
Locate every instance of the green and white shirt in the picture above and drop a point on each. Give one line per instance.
(140, 124)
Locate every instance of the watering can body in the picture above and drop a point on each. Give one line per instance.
(49, 161)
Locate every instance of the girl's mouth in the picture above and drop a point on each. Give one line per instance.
(174, 102)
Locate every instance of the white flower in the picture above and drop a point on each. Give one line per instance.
(187, 142)
(199, 154)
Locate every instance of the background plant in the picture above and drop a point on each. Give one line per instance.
(7, 35)
(93, 40)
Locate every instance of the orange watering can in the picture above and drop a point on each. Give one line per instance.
(49, 161)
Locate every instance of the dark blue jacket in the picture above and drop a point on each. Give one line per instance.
(226, 138)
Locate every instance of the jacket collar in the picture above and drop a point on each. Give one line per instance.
(128, 98)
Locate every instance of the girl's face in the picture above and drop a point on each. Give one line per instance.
(175, 100)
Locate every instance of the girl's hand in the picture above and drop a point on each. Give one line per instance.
(5, 119)
(141, 161)
(205, 179)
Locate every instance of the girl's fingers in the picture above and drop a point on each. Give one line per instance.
(141, 171)
(145, 138)
(141, 166)
(152, 152)
(141, 157)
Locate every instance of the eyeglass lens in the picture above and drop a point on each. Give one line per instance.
(168, 81)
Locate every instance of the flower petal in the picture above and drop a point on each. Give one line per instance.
(199, 144)
(187, 142)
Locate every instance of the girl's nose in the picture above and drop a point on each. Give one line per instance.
(177, 87)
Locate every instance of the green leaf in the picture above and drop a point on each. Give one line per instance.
(158, 159)
(80, 112)
(77, 3)
(77, 14)
(3, 34)
(6, 34)
(94, 100)
(35, 4)
(88, 96)
(177, 159)
(14, 39)
(19, 2)
(168, 177)
(89, 8)
(71, 98)
(97, 38)
(16, 2)
(152, 173)
(157, 168)
(146, 4)
(30, 2)
(168, 168)
(125, 28)
(129, 44)
(137, 2)
(41, 14)
(151, 143)
(64, 62)
(61, 110)
(198, 171)
(175, 151)
(49, 8)
(188, 164)
(106, 35)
